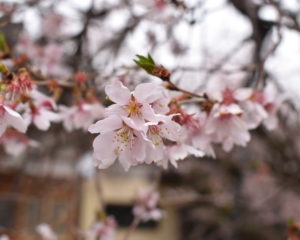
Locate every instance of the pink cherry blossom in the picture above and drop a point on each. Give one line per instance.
(262, 107)
(11, 118)
(117, 139)
(104, 230)
(47, 58)
(161, 105)
(231, 96)
(50, 59)
(16, 143)
(135, 105)
(146, 205)
(51, 24)
(41, 111)
(132, 130)
(192, 140)
(166, 129)
(80, 116)
(180, 151)
(200, 140)
(254, 111)
(272, 102)
(227, 127)
(46, 232)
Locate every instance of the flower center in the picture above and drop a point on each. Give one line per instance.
(225, 116)
(154, 136)
(134, 108)
(228, 97)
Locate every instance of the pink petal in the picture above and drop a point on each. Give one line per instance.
(243, 94)
(117, 92)
(147, 93)
(125, 158)
(115, 109)
(136, 123)
(106, 125)
(154, 154)
(148, 114)
(41, 122)
(227, 144)
(139, 148)
(11, 112)
(104, 149)
(271, 92)
(271, 122)
(170, 130)
(15, 120)
(180, 152)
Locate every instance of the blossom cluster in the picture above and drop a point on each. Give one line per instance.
(154, 124)
(147, 125)
(23, 104)
(135, 126)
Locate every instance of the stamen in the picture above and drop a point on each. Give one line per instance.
(133, 108)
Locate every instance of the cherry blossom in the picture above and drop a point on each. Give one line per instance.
(51, 25)
(132, 130)
(47, 58)
(146, 205)
(180, 151)
(41, 111)
(16, 143)
(80, 116)
(167, 129)
(135, 106)
(227, 127)
(140, 127)
(184, 145)
(11, 118)
(50, 59)
(254, 111)
(151, 124)
(104, 230)
(200, 140)
(46, 232)
(117, 139)
(271, 102)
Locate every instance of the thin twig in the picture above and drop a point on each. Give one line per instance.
(132, 227)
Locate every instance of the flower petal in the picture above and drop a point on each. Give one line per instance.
(139, 148)
(15, 120)
(170, 130)
(104, 150)
(243, 94)
(106, 125)
(125, 158)
(147, 92)
(117, 92)
(41, 122)
(136, 123)
(148, 114)
(115, 109)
